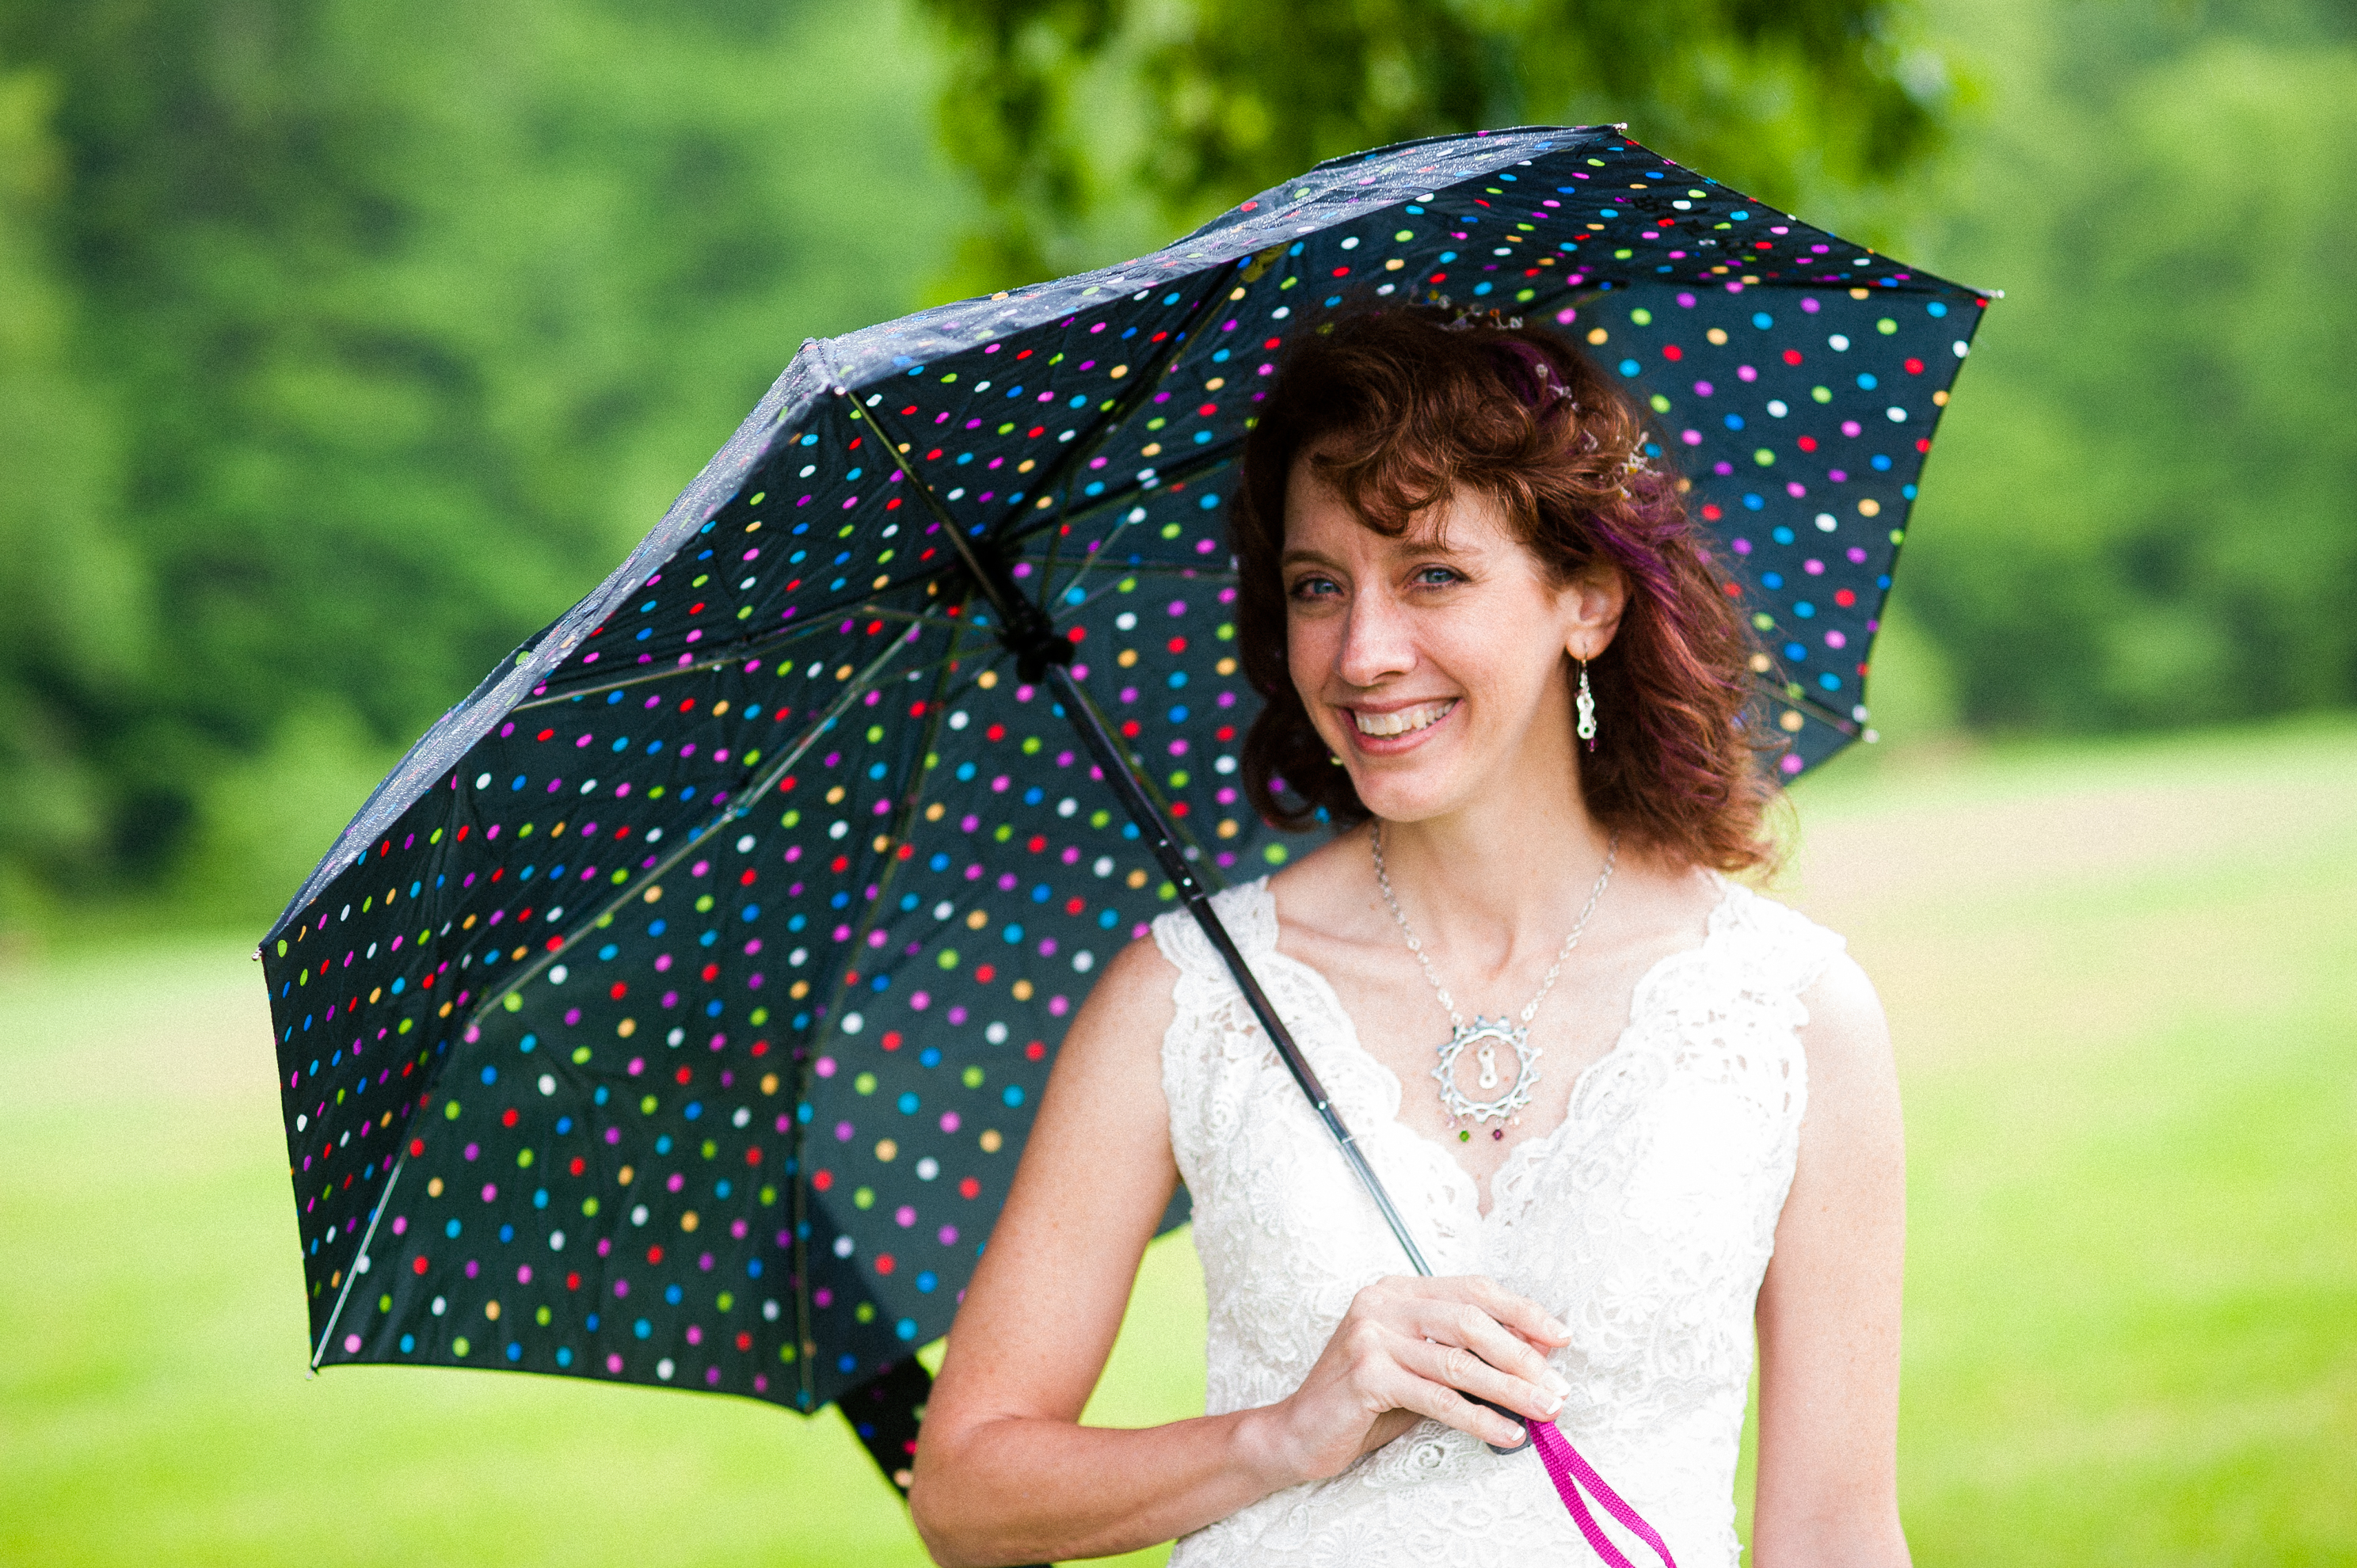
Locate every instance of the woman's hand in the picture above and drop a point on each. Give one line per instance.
(1411, 1348)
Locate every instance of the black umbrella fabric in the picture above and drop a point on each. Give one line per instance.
(675, 1012)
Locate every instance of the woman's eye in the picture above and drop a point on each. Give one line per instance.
(1315, 587)
(1437, 576)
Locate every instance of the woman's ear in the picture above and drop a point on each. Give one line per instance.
(1592, 602)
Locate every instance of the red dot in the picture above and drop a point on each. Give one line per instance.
(1036, 1049)
(884, 1262)
(966, 1188)
(416, 1265)
(1844, 597)
(1914, 366)
(822, 1179)
(1672, 351)
(1791, 356)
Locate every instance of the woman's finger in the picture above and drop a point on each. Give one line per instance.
(1462, 1323)
(1405, 1390)
(1518, 1313)
(1466, 1372)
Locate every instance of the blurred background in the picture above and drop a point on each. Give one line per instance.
(342, 346)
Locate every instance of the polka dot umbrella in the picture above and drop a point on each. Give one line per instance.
(675, 1012)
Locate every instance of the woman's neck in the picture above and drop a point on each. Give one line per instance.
(1500, 876)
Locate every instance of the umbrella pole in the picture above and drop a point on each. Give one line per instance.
(1114, 763)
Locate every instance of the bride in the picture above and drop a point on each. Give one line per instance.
(1635, 1113)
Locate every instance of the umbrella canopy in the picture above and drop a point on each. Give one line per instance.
(675, 1012)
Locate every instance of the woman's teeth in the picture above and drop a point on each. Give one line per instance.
(1401, 721)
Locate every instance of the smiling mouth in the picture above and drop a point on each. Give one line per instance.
(1402, 721)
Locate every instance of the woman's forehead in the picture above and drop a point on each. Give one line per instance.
(1466, 520)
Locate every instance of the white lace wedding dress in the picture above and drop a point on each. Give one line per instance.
(1644, 1222)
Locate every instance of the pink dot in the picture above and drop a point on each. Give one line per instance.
(352, 1344)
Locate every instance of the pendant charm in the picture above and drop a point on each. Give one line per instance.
(1485, 1036)
(1586, 706)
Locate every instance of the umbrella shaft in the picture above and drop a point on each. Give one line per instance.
(1113, 762)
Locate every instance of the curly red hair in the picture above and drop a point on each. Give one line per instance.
(1403, 407)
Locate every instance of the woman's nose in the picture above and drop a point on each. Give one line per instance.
(1375, 641)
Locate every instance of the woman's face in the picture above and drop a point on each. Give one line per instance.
(1436, 666)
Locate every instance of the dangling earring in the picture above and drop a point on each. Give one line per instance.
(1586, 701)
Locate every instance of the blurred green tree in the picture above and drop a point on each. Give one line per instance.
(367, 338)
(1067, 109)
(2143, 512)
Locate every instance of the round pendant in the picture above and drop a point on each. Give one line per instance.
(1485, 1037)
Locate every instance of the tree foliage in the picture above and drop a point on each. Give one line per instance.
(2143, 512)
(344, 345)
(1064, 109)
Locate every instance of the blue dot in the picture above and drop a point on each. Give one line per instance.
(1795, 652)
(490, 1075)
(907, 1103)
(1830, 682)
(672, 1294)
(451, 1229)
(408, 1343)
(1013, 1097)
(1804, 610)
(565, 1355)
(644, 1329)
(1762, 320)
(515, 1351)
(1629, 367)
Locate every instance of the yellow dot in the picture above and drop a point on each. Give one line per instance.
(434, 1187)
(886, 1149)
(1716, 333)
(1598, 335)
(491, 1310)
(627, 1027)
(1022, 991)
(991, 1141)
(687, 1220)
(1869, 507)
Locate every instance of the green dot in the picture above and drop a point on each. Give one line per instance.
(588, 1208)
(1642, 317)
(949, 958)
(1660, 405)
(524, 1159)
(647, 1104)
(864, 1083)
(1886, 326)
(1275, 854)
(1822, 394)
(580, 1055)
(864, 1198)
(972, 1078)
(1764, 457)
(458, 1346)
(450, 1111)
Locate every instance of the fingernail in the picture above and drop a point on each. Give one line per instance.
(1555, 1380)
(1515, 1437)
(1560, 1330)
(1551, 1404)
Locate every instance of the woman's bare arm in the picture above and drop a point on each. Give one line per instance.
(1828, 1315)
(1005, 1474)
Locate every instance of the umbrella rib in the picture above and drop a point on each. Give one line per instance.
(352, 1274)
(832, 1012)
(739, 650)
(1126, 404)
(1815, 709)
(1179, 473)
(860, 683)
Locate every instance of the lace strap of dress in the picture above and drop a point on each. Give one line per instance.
(1773, 953)
(1250, 916)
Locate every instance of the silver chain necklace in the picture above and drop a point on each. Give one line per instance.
(1484, 1036)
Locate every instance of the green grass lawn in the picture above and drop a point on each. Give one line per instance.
(2123, 981)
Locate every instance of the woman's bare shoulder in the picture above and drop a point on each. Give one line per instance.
(1132, 999)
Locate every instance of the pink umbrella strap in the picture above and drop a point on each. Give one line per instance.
(1569, 1473)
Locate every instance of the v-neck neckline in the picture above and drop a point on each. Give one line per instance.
(1530, 1150)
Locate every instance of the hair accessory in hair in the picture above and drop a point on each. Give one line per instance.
(1464, 317)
